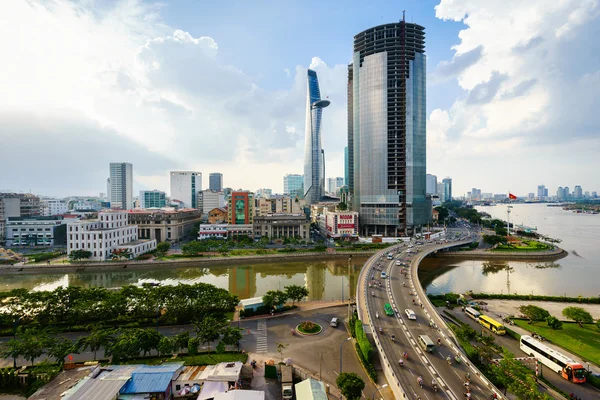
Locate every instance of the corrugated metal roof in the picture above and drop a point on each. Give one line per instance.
(151, 379)
(191, 373)
(105, 386)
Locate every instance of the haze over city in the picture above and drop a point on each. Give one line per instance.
(512, 90)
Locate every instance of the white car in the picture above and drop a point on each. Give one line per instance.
(410, 314)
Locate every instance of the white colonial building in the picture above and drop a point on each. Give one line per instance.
(111, 231)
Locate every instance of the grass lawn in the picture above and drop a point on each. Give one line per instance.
(524, 245)
(199, 359)
(584, 342)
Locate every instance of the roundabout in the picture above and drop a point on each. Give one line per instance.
(308, 328)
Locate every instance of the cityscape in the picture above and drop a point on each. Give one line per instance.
(199, 253)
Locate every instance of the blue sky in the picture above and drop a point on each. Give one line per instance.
(513, 90)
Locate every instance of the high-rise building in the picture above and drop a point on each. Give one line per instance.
(594, 194)
(121, 186)
(346, 165)
(350, 178)
(108, 189)
(475, 194)
(293, 185)
(209, 200)
(577, 192)
(542, 192)
(215, 181)
(447, 194)
(240, 208)
(334, 185)
(153, 199)
(264, 192)
(388, 128)
(430, 184)
(185, 186)
(314, 156)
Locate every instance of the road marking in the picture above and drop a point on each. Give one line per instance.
(261, 336)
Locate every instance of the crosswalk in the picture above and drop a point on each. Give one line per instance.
(261, 336)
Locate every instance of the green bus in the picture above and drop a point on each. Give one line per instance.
(388, 309)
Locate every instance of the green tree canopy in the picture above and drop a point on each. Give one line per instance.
(578, 315)
(163, 247)
(351, 385)
(97, 339)
(59, 348)
(296, 292)
(517, 378)
(209, 329)
(554, 323)
(274, 298)
(534, 313)
(80, 255)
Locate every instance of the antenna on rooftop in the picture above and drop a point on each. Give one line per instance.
(404, 16)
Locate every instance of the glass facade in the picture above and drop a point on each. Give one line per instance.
(387, 86)
(153, 199)
(215, 181)
(314, 157)
(293, 185)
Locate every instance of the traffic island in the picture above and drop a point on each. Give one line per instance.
(308, 328)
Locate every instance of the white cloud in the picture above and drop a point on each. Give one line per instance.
(162, 91)
(530, 94)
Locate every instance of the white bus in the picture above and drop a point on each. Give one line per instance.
(472, 313)
(557, 362)
(426, 343)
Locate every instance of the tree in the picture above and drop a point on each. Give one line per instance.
(79, 255)
(209, 329)
(149, 339)
(598, 324)
(578, 315)
(59, 348)
(192, 248)
(516, 378)
(181, 341)
(296, 292)
(500, 231)
(232, 335)
(193, 345)
(162, 248)
(97, 339)
(166, 345)
(534, 313)
(120, 254)
(11, 349)
(342, 206)
(442, 213)
(280, 348)
(554, 322)
(274, 298)
(351, 385)
(33, 342)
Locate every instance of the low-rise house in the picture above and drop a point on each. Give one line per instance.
(310, 389)
(151, 382)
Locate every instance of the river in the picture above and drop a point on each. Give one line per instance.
(578, 274)
(325, 280)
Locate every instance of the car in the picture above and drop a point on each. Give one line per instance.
(334, 322)
(410, 314)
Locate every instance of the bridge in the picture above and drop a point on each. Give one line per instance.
(403, 291)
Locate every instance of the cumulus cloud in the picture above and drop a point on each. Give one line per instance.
(126, 84)
(530, 94)
(459, 63)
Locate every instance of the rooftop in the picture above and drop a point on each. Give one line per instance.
(311, 389)
(104, 384)
(151, 379)
(191, 373)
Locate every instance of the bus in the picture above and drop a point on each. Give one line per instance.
(426, 343)
(492, 325)
(557, 362)
(388, 309)
(472, 313)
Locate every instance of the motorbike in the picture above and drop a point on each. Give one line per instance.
(401, 363)
(439, 342)
(457, 359)
(434, 386)
(393, 338)
(377, 315)
(420, 381)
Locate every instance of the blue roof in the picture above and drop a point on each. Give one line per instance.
(151, 379)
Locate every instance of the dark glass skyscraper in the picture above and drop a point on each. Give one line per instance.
(215, 181)
(314, 156)
(387, 129)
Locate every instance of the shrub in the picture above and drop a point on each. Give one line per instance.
(363, 341)
(309, 327)
(366, 363)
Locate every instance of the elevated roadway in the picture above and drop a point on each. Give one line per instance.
(402, 291)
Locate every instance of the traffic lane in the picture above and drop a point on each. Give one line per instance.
(407, 375)
(421, 327)
(584, 391)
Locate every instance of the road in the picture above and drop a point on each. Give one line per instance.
(428, 366)
(585, 391)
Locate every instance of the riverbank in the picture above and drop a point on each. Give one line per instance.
(198, 261)
(548, 255)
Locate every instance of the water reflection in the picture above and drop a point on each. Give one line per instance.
(325, 280)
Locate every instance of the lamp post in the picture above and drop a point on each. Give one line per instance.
(341, 344)
(378, 389)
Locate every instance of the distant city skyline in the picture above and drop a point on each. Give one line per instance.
(173, 88)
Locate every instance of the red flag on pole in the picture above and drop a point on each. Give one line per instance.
(512, 196)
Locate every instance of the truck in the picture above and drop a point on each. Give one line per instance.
(287, 382)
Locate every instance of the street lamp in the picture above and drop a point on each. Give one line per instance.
(15, 323)
(378, 389)
(341, 344)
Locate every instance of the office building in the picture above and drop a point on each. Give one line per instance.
(350, 116)
(346, 165)
(52, 207)
(121, 186)
(314, 156)
(594, 194)
(388, 128)
(339, 224)
(185, 186)
(264, 193)
(278, 204)
(530, 196)
(475, 194)
(209, 199)
(152, 199)
(212, 231)
(431, 184)
(447, 189)
(240, 208)
(215, 181)
(334, 185)
(282, 226)
(102, 236)
(164, 224)
(293, 185)
(17, 205)
(542, 192)
(36, 231)
(577, 193)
